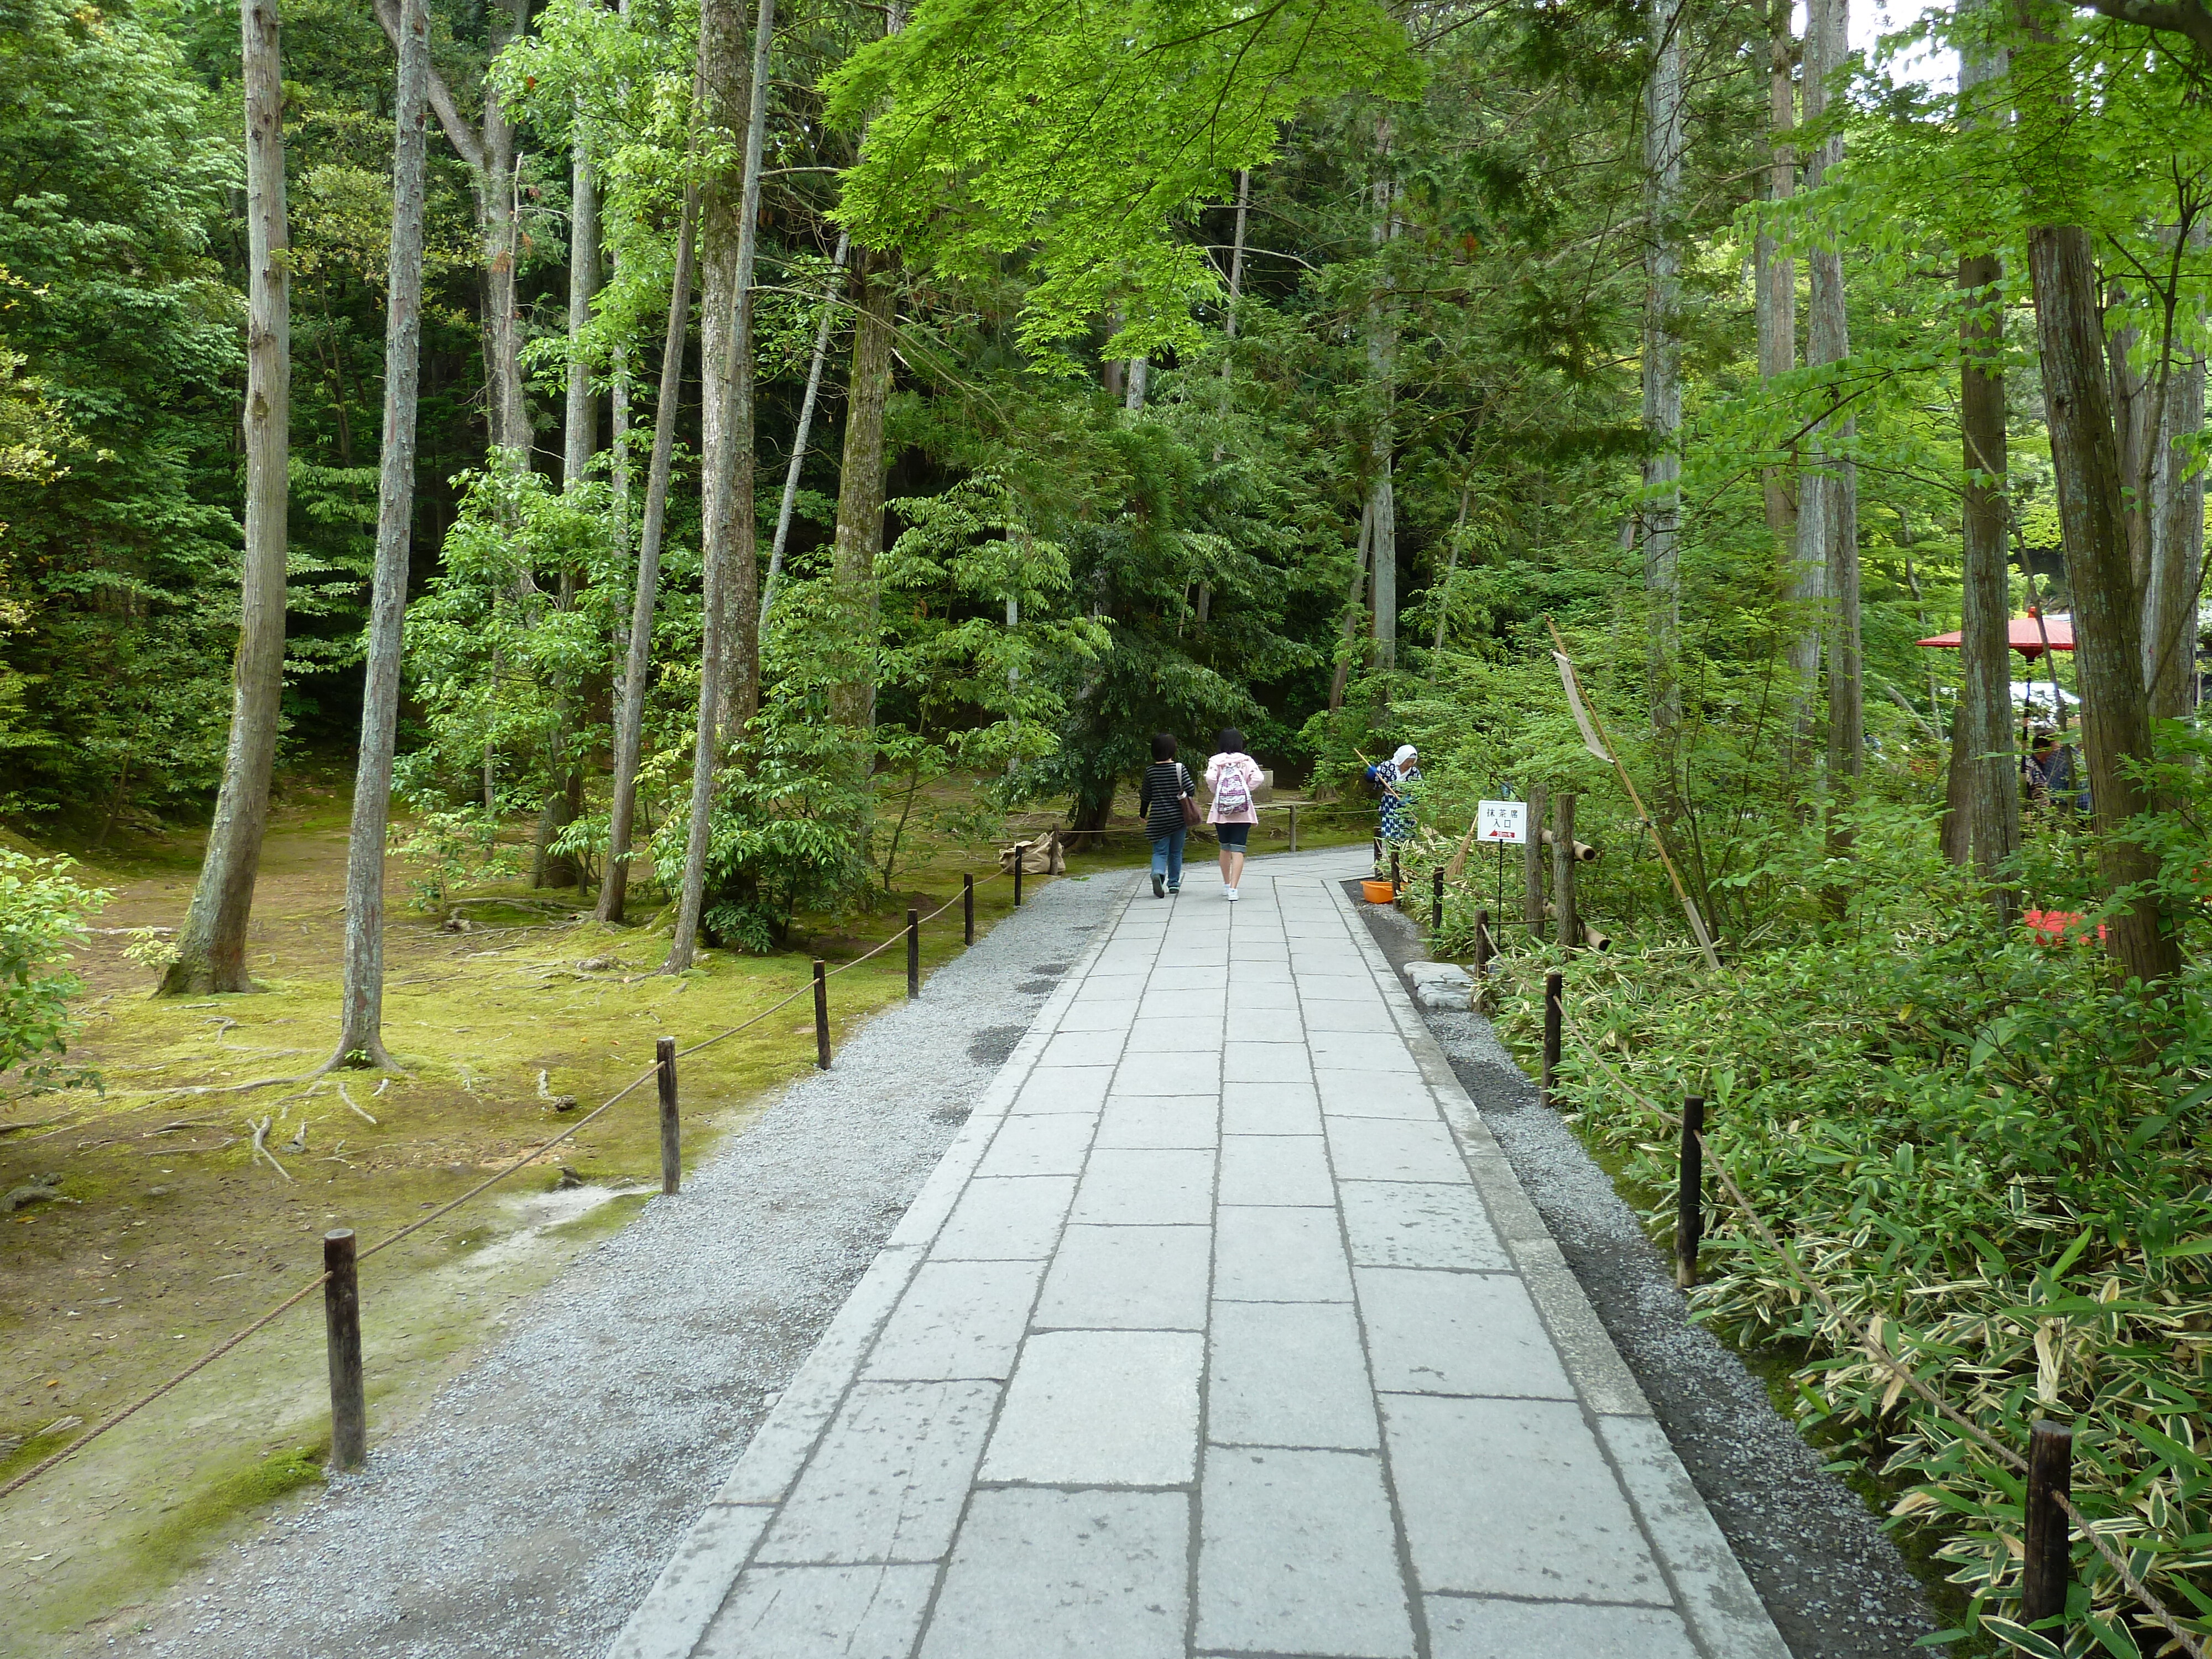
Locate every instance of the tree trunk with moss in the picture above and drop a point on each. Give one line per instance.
(360, 1035)
(211, 944)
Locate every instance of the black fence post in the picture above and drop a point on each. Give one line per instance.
(1394, 872)
(342, 1333)
(1689, 1197)
(1436, 905)
(968, 909)
(820, 1014)
(1482, 955)
(1021, 854)
(671, 1134)
(912, 954)
(1294, 826)
(1554, 998)
(2049, 1477)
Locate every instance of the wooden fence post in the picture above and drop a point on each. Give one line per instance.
(1563, 870)
(1294, 826)
(968, 909)
(342, 1334)
(820, 1014)
(672, 1133)
(1437, 904)
(913, 954)
(1531, 865)
(1481, 956)
(2050, 1477)
(1554, 1000)
(1689, 1196)
(1021, 855)
(1393, 874)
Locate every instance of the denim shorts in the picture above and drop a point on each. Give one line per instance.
(1233, 835)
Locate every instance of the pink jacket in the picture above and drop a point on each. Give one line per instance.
(1254, 777)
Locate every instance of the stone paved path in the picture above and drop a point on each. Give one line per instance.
(1223, 1329)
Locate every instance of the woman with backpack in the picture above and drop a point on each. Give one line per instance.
(1165, 801)
(1235, 778)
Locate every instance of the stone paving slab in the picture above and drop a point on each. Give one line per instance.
(1223, 1329)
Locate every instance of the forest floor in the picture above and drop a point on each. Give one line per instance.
(169, 1233)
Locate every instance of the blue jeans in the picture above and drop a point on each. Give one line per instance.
(1167, 856)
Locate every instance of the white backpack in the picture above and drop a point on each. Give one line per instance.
(1233, 792)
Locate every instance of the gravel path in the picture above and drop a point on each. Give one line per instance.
(1834, 1580)
(528, 1512)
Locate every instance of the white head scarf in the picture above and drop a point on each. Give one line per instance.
(1405, 753)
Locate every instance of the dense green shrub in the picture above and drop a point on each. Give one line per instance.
(1979, 1143)
(42, 912)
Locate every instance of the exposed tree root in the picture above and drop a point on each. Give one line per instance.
(260, 1137)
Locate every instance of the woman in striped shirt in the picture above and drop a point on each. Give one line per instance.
(1159, 799)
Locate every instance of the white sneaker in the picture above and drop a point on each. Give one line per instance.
(1229, 893)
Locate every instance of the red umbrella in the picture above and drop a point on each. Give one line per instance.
(2025, 635)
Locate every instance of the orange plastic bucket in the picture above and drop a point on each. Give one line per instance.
(1380, 892)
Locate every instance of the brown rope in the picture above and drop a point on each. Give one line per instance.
(139, 1404)
(421, 1222)
(1877, 1350)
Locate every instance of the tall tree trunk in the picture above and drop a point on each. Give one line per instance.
(1660, 511)
(488, 154)
(508, 416)
(1802, 580)
(2135, 414)
(790, 502)
(1532, 867)
(1383, 368)
(1834, 479)
(579, 427)
(211, 944)
(361, 1030)
(725, 77)
(1984, 819)
(2176, 561)
(2085, 465)
(741, 689)
(1235, 275)
(1342, 674)
(1204, 607)
(860, 534)
(1981, 740)
(629, 721)
(1451, 564)
(579, 443)
(2176, 503)
(1383, 555)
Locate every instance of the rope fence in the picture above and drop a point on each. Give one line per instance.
(965, 897)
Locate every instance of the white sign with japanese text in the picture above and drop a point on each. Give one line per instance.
(1506, 822)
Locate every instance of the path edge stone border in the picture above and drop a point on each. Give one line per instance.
(669, 1622)
(1727, 1618)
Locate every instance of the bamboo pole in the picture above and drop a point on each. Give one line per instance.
(1658, 842)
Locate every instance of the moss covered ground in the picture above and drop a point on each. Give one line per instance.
(169, 1233)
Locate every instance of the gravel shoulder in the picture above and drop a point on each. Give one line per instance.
(529, 1511)
(1834, 1582)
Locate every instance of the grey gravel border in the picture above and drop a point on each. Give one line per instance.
(1833, 1580)
(673, 1615)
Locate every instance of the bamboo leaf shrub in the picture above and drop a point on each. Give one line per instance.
(1984, 1148)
